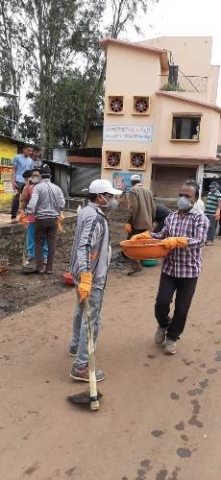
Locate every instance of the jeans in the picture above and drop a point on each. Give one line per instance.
(30, 243)
(184, 288)
(46, 227)
(79, 338)
(15, 200)
(212, 228)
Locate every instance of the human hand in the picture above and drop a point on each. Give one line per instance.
(128, 228)
(141, 236)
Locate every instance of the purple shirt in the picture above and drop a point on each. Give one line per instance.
(185, 262)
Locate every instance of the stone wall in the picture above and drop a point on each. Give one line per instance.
(12, 237)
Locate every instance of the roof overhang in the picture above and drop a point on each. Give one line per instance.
(173, 95)
(144, 48)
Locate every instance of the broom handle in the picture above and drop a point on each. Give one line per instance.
(94, 404)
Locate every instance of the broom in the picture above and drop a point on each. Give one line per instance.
(93, 396)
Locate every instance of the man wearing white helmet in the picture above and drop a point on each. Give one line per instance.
(89, 265)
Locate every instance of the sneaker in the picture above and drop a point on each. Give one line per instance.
(82, 374)
(160, 335)
(73, 351)
(170, 347)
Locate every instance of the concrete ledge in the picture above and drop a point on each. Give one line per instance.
(12, 237)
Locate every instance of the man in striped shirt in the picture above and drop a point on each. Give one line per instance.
(212, 210)
(181, 267)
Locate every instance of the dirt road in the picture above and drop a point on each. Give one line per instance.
(160, 416)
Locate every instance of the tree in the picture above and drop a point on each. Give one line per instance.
(15, 51)
(124, 14)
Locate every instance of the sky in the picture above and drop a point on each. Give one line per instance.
(184, 18)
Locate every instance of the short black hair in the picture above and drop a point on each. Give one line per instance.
(92, 197)
(27, 174)
(36, 149)
(26, 146)
(195, 185)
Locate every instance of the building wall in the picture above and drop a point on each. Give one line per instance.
(209, 129)
(193, 55)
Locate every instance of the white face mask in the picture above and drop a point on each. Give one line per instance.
(111, 204)
(35, 180)
(184, 204)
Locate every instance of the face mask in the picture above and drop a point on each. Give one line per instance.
(184, 204)
(112, 204)
(34, 180)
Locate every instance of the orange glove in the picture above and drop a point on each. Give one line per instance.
(175, 242)
(84, 288)
(60, 220)
(128, 228)
(217, 215)
(141, 236)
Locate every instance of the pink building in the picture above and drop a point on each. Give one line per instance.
(161, 119)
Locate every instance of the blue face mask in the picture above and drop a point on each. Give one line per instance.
(184, 204)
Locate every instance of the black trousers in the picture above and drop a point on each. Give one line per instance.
(184, 288)
(15, 200)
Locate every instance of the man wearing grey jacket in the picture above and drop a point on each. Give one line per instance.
(89, 264)
(46, 203)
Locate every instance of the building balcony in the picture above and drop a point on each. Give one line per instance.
(184, 84)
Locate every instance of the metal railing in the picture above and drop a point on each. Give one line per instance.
(185, 83)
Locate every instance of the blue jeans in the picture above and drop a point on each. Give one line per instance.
(212, 228)
(30, 243)
(79, 338)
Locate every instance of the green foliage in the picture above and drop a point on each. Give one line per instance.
(51, 48)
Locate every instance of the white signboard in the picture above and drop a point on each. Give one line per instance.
(128, 133)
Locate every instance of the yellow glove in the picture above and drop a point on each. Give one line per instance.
(84, 288)
(175, 242)
(141, 236)
(60, 220)
(217, 215)
(128, 228)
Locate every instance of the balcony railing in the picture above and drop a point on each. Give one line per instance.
(185, 84)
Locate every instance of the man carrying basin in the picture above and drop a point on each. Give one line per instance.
(188, 229)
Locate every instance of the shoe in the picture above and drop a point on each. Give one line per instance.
(209, 243)
(45, 261)
(14, 220)
(137, 267)
(82, 374)
(170, 347)
(73, 351)
(160, 335)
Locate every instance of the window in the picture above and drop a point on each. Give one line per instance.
(186, 128)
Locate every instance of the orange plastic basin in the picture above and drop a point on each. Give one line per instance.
(144, 249)
(68, 278)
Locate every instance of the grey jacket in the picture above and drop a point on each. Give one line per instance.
(90, 251)
(47, 200)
